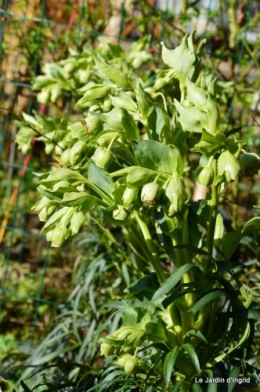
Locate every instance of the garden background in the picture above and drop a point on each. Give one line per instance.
(51, 299)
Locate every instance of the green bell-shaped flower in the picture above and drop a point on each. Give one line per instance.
(102, 157)
(150, 193)
(205, 176)
(228, 166)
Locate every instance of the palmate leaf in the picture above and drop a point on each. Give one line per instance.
(157, 156)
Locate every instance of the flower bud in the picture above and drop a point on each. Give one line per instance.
(56, 93)
(205, 176)
(187, 104)
(77, 221)
(49, 148)
(43, 215)
(83, 75)
(59, 235)
(159, 83)
(60, 147)
(65, 157)
(69, 67)
(76, 153)
(129, 196)
(120, 213)
(106, 349)
(150, 193)
(43, 96)
(249, 163)
(49, 235)
(107, 105)
(93, 123)
(106, 138)
(46, 212)
(130, 364)
(26, 148)
(171, 211)
(175, 191)
(102, 157)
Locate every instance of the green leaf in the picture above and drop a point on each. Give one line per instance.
(100, 178)
(181, 59)
(51, 196)
(196, 388)
(147, 286)
(83, 199)
(32, 122)
(25, 388)
(211, 387)
(230, 242)
(113, 74)
(192, 119)
(158, 157)
(196, 95)
(220, 357)
(93, 93)
(192, 354)
(247, 296)
(156, 331)
(206, 299)
(124, 101)
(121, 120)
(56, 217)
(210, 144)
(177, 386)
(62, 174)
(233, 374)
(137, 317)
(251, 226)
(168, 365)
(159, 124)
(143, 101)
(138, 176)
(196, 333)
(170, 282)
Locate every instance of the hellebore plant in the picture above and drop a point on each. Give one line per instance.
(188, 316)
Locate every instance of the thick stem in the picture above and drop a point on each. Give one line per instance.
(182, 257)
(154, 260)
(212, 225)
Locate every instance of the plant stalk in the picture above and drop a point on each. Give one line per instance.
(154, 260)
